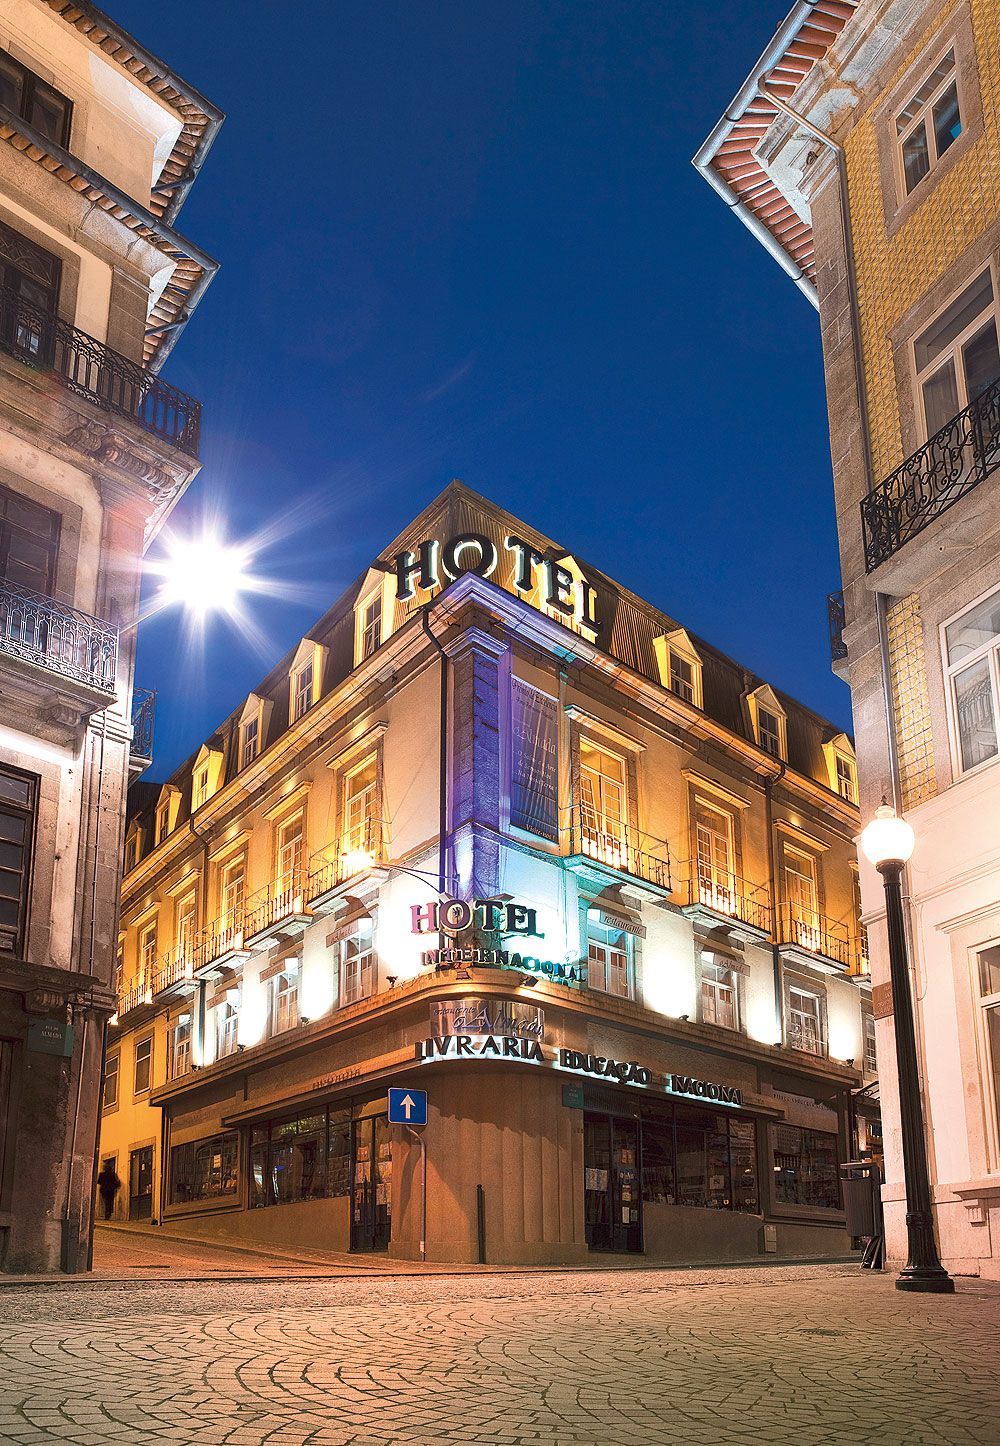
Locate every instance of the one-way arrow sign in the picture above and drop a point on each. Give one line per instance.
(407, 1107)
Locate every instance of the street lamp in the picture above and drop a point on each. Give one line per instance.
(887, 842)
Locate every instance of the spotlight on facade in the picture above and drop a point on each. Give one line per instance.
(358, 861)
(203, 574)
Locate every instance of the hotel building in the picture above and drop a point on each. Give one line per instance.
(864, 152)
(99, 145)
(498, 830)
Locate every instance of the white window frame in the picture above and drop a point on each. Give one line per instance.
(112, 1071)
(989, 1068)
(605, 836)
(289, 850)
(361, 809)
(180, 1049)
(369, 628)
(136, 1092)
(227, 1020)
(845, 772)
(687, 690)
(283, 1011)
(605, 953)
(953, 351)
(357, 962)
(804, 993)
(303, 697)
(249, 741)
(232, 892)
(810, 914)
(762, 733)
(162, 822)
(186, 929)
(716, 887)
(712, 987)
(869, 1057)
(132, 853)
(991, 652)
(925, 116)
(147, 953)
(199, 787)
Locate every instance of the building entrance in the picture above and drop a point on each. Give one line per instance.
(612, 1193)
(140, 1184)
(371, 1183)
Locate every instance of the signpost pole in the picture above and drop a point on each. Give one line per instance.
(423, 1189)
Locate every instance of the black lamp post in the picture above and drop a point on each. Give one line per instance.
(888, 843)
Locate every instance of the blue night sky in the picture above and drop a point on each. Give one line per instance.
(464, 239)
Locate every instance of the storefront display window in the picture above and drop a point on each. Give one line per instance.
(204, 1169)
(302, 1157)
(805, 1167)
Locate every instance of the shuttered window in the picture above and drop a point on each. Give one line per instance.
(534, 789)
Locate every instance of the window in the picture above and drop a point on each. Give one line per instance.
(700, 1159)
(805, 1020)
(29, 97)
(162, 822)
(143, 1065)
(534, 785)
(31, 276)
(284, 1001)
(801, 895)
(147, 954)
(29, 543)
(111, 1072)
(603, 804)
(719, 993)
(361, 830)
(681, 677)
(957, 357)
(231, 892)
(187, 921)
(357, 963)
(805, 1167)
(769, 731)
(369, 626)
(847, 785)
(305, 1157)
(227, 1020)
(288, 845)
(249, 742)
(199, 787)
(988, 971)
(180, 1048)
(972, 669)
(132, 852)
(204, 1169)
(18, 801)
(871, 1058)
(714, 850)
(927, 126)
(302, 691)
(609, 959)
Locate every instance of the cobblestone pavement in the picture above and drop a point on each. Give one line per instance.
(787, 1354)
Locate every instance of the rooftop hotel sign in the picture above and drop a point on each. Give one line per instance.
(434, 563)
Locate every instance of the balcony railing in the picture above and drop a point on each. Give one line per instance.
(283, 899)
(731, 897)
(330, 868)
(835, 620)
(178, 967)
(860, 966)
(943, 470)
(132, 997)
(220, 938)
(618, 846)
(815, 934)
(143, 717)
(105, 377)
(40, 630)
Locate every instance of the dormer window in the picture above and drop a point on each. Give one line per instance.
(162, 822)
(681, 677)
(679, 666)
(132, 852)
(249, 742)
(199, 787)
(302, 691)
(769, 732)
(841, 766)
(768, 721)
(847, 784)
(35, 101)
(370, 626)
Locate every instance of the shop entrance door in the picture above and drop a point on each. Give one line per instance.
(140, 1184)
(371, 1183)
(612, 1193)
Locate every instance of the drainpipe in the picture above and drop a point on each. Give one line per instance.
(861, 389)
(772, 869)
(442, 764)
(204, 924)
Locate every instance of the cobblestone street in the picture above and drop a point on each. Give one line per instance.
(786, 1354)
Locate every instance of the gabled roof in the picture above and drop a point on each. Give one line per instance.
(728, 159)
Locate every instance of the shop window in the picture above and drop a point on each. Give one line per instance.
(534, 782)
(204, 1169)
(357, 963)
(805, 1020)
(957, 357)
(112, 1068)
(362, 828)
(700, 1159)
(227, 1018)
(972, 672)
(929, 123)
(180, 1048)
(249, 742)
(609, 960)
(29, 540)
(720, 999)
(284, 1002)
(871, 1058)
(303, 1157)
(34, 100)
(988, 970)
(805, 1167)
(18, 804)
(143, 1065)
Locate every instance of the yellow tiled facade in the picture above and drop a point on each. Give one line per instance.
(910, 708)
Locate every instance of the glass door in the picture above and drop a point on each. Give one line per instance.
(371, 1184)
(603, 807)
(715, 871)
(611, 1178)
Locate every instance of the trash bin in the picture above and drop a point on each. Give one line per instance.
(861, 1181)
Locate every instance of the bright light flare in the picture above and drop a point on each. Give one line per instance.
(202, 574)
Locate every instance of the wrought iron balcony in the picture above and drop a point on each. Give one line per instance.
(835, 619)
(622, 848)
(943, 470)
(220, 943)
(178, 968)
(133, 997)
(860, 966)
(728, 899)
(278, 908)
(331, 868)
(814, 937)
(105, 377)
(51, 635)
(143, 717)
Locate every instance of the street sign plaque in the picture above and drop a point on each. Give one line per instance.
(407, 1107)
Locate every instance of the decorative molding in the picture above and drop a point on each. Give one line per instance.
(593, 724)
(700, 780)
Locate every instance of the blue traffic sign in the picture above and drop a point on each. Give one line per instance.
(407, 1107)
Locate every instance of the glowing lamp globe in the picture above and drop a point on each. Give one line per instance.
(203, 574)
(888, 839)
